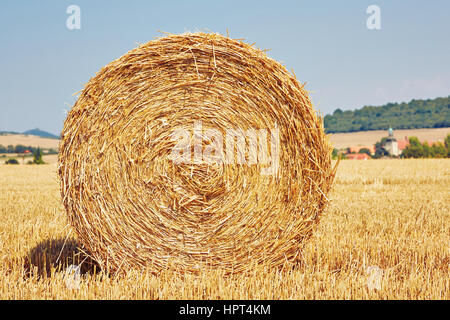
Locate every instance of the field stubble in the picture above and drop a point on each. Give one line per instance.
(392, 214)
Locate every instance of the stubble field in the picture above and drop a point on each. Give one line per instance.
(386, 235)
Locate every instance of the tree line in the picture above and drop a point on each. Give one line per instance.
(22, 149)
(430, 113)
(37, 157)
(415, 149)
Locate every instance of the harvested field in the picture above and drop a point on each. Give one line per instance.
(392, 214)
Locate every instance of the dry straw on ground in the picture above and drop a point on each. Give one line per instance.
(131, 206)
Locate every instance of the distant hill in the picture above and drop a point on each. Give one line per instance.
(40, 133)
(32, 132)
(430, 113)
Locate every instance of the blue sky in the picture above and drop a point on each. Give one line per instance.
(326, 43)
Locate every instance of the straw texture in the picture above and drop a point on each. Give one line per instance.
(132, 206)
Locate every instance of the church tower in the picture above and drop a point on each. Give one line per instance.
(392, 144)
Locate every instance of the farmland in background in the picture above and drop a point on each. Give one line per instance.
(28, 140)
(364, 138)
(388, 214)
(339, 140)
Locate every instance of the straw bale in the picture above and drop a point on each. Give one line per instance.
(133, 206)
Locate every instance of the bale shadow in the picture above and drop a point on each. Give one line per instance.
(57, 255)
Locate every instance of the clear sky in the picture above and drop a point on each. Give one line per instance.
(326, 43)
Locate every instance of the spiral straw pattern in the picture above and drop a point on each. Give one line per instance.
(141, 191)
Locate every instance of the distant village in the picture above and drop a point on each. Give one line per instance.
(390, 147)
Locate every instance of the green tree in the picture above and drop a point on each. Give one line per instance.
(37, 156)
(380, 150)
(439, 150)
(335, 154)
(365, 150)
(447, 145)
(414, 149)
(427, 150)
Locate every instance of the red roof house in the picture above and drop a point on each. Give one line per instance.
(356, 149)
(357, 156)
(402, 144)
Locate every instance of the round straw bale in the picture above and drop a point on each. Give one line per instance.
(146, 177)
